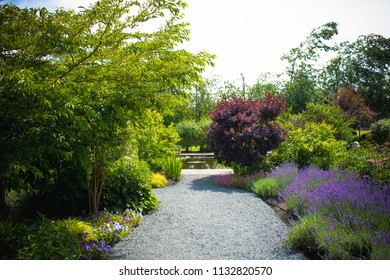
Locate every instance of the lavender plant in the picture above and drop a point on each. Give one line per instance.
(352, 214)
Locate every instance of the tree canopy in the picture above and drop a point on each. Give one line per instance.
(71, 82)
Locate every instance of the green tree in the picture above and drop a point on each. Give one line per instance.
(70, 84)
(303, 70)
(364, 66)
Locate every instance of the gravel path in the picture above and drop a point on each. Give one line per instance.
(198, 220)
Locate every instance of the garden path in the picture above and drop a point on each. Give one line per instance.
(198, 220)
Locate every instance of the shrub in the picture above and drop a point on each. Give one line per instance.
(158, 180)
(128, 186)
(172, 167)
(47, 240)
(380, 131)
(370, 162)
(266, 187)
(188, 131)
(352, 104)
(10, 234)
(243, 131)
(155, 140)
(316, 144)
(89, 238)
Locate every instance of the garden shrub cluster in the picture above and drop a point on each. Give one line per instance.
(128, 185)
(336, 213)
(89, 237)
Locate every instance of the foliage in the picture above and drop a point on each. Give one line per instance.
(363, 65)
(128, 186)
(380, 131)
(188, 132)
(112, 227)
(343, 216)
(266, 187)
(370, 162)
(284, 174)
(238, 181)
(172, 167)
(67, 239)
(320, 113)
(353, 105)
(10, 234)
(154, 140)
(71, 82)
(47, 240)
(243, 131)
(302, 70)
(316, 144)
(158, 180)
(193, 133)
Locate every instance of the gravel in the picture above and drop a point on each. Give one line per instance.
(198, 220)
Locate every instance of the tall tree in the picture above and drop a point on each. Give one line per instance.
(363, 66)
(302, 70)
(70, 83)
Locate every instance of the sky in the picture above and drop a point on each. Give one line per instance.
(249, 37)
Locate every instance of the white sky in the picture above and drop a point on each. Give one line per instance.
(250, 36)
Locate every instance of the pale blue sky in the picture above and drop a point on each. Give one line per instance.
(250, 36)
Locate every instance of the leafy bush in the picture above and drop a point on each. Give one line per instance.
(188, 132)
(158, 180)
(316, 144)
(128, 186)
(89, 238)
(352, 104)
(10, 234)
(266, 187)
(243, 131)
(193, 133)
(172, 167)
(154, 139)
(370, 162)
(48, 240)
(380, 131)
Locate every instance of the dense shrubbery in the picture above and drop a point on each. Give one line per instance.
(320, 113)
(154, 140)
(68, 239)
(380, 131)
(193, 133)
(338, 214)
(370, 162)
(243, 131)
(315, 144)
(128, 185)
